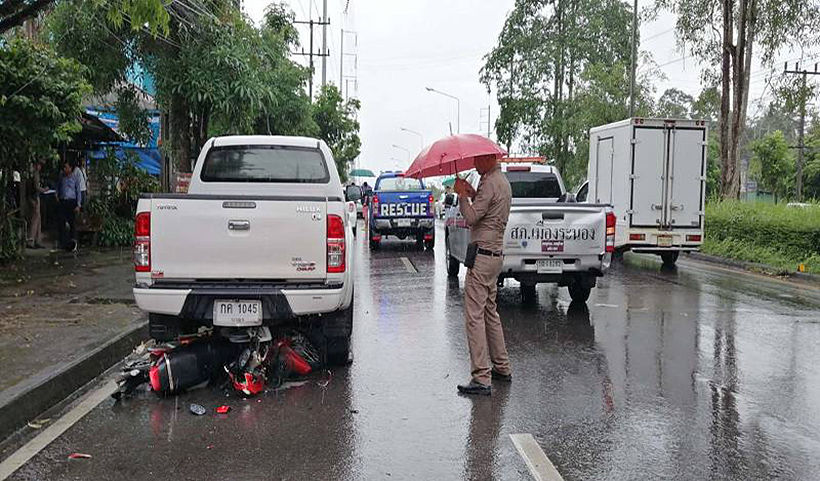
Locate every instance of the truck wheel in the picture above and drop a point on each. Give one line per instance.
(337, 329)
(579, 292)
(528, 294)
(452, 263)
(669, 258)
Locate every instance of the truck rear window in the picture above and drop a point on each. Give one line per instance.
(399, 184)
(264, 163)
(534, 185)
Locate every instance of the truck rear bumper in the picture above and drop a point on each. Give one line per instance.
(278, 304)
(523, 268)
(391, 227)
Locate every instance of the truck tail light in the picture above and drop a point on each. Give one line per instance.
(431, 206)
(374, 205)
(637, 237)
(335, 244)
(142, 242)
(610, 232)
(693, 238)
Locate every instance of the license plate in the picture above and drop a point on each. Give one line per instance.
(664, 240)
(404, 222)
(237, 313)
(549, 266)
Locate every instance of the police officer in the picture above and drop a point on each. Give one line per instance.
(486, 211)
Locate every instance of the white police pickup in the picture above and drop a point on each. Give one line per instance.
(549, 238)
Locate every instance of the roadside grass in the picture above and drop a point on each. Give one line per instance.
(774, 234)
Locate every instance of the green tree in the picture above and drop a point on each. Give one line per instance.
(552, 55)
(675, 104)
(811, 171)
(40, 105)
(216, 73)
(150, 14)
(723, 34)
(338, 127)
(772, 164)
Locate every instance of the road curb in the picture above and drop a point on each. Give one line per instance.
(755, 267)
(25, 402)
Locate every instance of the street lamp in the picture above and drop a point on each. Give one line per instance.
(409, 154)
(421, 137)
(458, 106)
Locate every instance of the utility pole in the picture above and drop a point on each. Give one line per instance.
(343, 79)
(310, 53)
(634, 59)
(326, 22)
(801, 147)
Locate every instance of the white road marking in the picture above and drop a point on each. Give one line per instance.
(49, 434)
(538, 463)
(409, 266)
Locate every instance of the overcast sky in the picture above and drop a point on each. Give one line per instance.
(402, 46)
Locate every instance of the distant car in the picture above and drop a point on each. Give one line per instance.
(401, 207)
(353, 193)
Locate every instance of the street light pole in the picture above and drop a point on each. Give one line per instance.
(421, 137)
(458, 106)
(409, 154)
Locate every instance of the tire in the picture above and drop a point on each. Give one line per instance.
(528, 293)
(669, 258)
(453, 265)
(579, 292)
(337, 330)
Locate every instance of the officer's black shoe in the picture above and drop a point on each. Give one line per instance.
(501, 377)
(475, 388)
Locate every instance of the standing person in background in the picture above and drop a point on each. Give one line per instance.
(79, 171)
(70, 202)
(33, 191)
(486, 210)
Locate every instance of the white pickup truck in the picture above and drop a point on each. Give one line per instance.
(261, 238)
(549, 238)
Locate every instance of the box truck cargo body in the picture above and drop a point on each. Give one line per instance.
(653, 171)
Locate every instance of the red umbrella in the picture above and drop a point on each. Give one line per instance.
(452, 154)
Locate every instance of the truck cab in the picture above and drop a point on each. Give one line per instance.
(402, 207)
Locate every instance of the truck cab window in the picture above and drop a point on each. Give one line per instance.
(258, 163)
(534, 185)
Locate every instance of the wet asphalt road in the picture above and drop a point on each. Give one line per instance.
(698, 373)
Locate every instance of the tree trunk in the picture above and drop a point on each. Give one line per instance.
(179, 123)
(727, 169)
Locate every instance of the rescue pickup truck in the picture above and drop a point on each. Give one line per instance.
(261, 238)
(402, 207)
(549, 237)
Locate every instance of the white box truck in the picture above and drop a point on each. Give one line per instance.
(653, 172)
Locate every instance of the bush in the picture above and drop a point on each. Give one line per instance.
(120, 183)
(766, 233)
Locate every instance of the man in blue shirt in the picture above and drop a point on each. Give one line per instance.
(70, 197)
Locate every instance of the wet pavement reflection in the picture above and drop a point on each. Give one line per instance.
(690, 373)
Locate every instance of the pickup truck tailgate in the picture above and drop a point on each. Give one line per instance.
(221, 238)
(556, 229)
